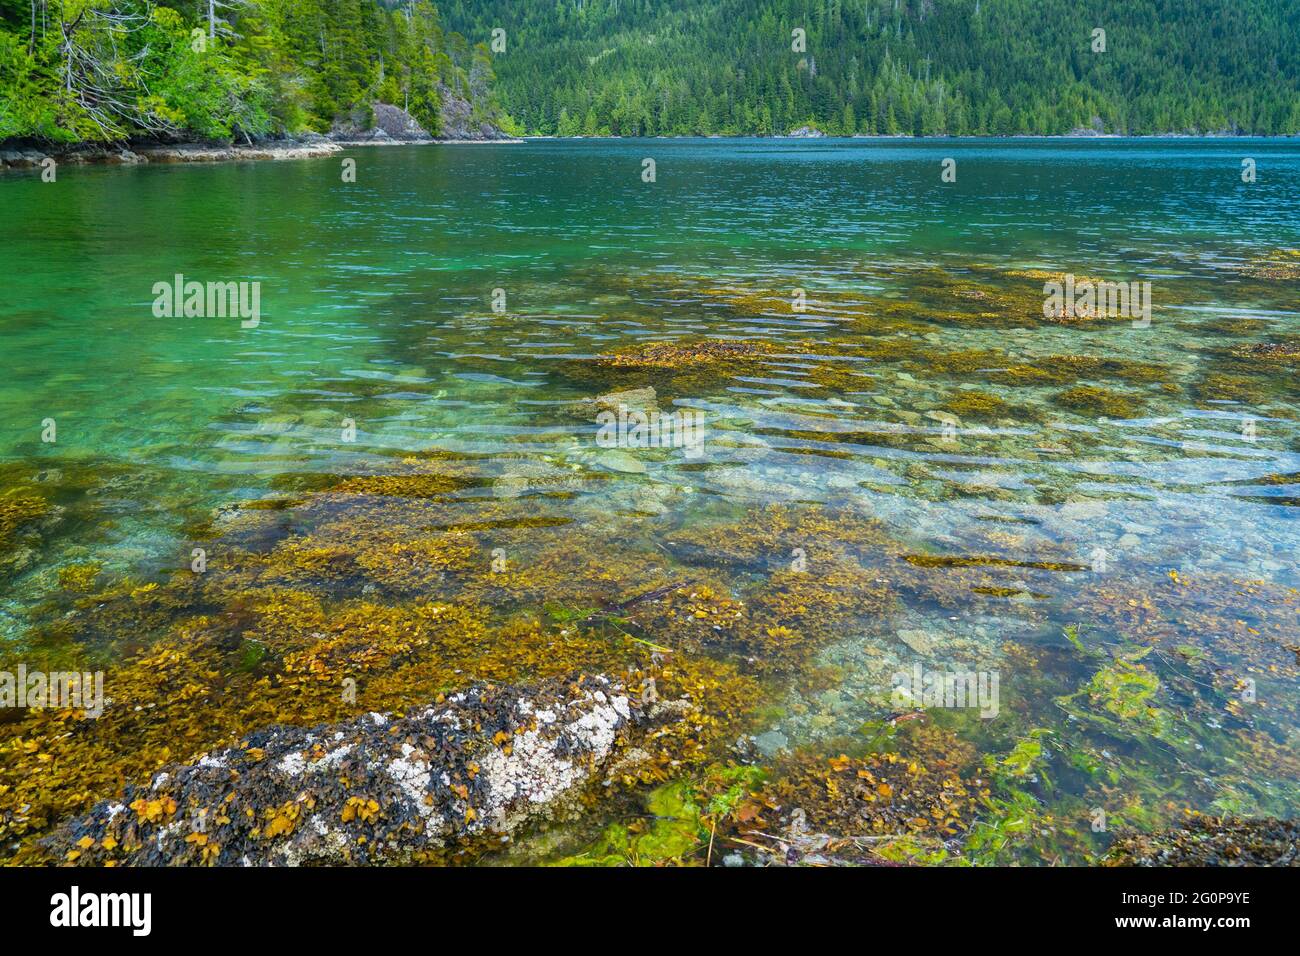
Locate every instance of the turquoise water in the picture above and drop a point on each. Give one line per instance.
(377, 308)
(379, 292)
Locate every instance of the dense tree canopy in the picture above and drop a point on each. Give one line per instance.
(73, 70)
(891, 66)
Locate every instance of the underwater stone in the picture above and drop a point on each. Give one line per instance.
(620, 461)
(633, 399)
(918, 641)
(1087, 508)
(771, 743)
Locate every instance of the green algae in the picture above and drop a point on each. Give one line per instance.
(1024, 759)
(1120, 699)
(669, 830)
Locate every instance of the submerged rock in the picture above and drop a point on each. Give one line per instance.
(380, 788)
(643, 400)
(771, 743)
(919, 641)
(620, 461)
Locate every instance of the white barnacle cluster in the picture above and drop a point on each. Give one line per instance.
(552, 759)
(413, 773)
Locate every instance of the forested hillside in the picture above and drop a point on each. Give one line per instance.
(100, 70)
(891, 66)
(74, 70)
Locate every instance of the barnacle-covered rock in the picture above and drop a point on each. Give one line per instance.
(1286, 352)
(1210, 841)
(379, 788)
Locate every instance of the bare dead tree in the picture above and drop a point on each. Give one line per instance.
(94, 63)
(220, 25)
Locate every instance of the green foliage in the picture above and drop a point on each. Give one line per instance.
(251, 654)
(241, 69)
(1008, 822)
(564, 616)
(1072, 634)
(1003, 67)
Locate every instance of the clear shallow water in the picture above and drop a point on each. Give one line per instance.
(377, 307)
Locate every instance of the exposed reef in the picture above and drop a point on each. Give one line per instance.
(380, 788)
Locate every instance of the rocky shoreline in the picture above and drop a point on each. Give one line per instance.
(30, 157)
(385, 125)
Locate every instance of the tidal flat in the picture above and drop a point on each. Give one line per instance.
(946, 577)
